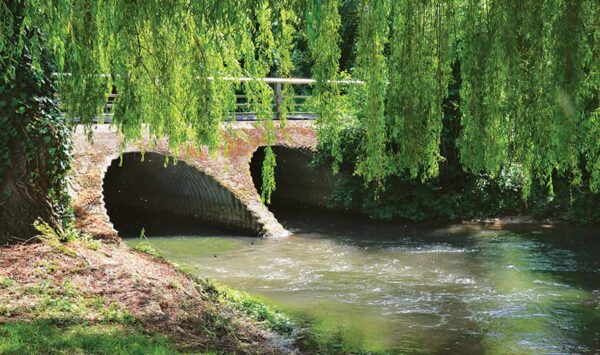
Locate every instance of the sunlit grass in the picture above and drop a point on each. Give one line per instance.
(48, 337)
(255, 307)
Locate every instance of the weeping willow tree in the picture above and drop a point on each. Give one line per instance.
(529, 70)
(530, 83)
(420, 62)
(529, 94)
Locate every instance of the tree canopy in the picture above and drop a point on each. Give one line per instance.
(530, 71)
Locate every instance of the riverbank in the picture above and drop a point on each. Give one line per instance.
(94, 297)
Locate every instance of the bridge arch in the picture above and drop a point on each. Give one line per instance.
(299, 183)
(176, 198)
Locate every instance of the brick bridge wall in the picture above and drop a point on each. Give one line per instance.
(217, 187)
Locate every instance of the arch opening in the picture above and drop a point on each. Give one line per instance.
(300, 186)
(173, 200)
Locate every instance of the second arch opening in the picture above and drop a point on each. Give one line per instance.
(300, 185)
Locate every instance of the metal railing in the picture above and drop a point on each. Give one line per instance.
(296, 105)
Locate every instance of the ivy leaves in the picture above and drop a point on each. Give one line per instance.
(35, 142)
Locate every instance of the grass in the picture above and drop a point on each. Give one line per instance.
(62, 319)
(47, 306)
(6, 282)
(148, 248)
(59, 240)
(48, 337)
(269, 316)
(65, 320)
(62, 302)
(144, 246)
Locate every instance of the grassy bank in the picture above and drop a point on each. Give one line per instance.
(47, 336)
(83, 296)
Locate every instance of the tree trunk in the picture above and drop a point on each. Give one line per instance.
(21, 206)
(35, 142)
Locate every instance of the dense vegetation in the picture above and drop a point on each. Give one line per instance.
(485, 143)
(529, 71)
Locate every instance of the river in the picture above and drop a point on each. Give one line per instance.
(418, 289)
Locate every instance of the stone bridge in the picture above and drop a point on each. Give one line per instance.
(216, 188)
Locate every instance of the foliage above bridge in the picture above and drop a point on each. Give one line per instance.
(530, 73)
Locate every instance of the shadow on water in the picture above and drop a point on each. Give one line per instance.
(570, 249)
(130, 223)
(143, 192)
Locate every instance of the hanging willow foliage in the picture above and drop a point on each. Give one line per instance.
(485, 134)
(420, 62)
(372, 68)
(323, 33)
(530, 75)
(284, 40)
(526, 68)
(592, 140)
(170, 63)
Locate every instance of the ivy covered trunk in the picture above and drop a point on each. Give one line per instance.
(35, 143)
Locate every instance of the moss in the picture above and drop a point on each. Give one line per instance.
(174, 284)
(8, 310)
(89, 242)
(54, 238)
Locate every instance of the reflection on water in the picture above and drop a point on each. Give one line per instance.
(410, 289)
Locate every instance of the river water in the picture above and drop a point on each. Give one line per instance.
(414, 289)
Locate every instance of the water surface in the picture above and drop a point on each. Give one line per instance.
(396, 288)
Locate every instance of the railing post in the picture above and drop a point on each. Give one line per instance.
(278, 100)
